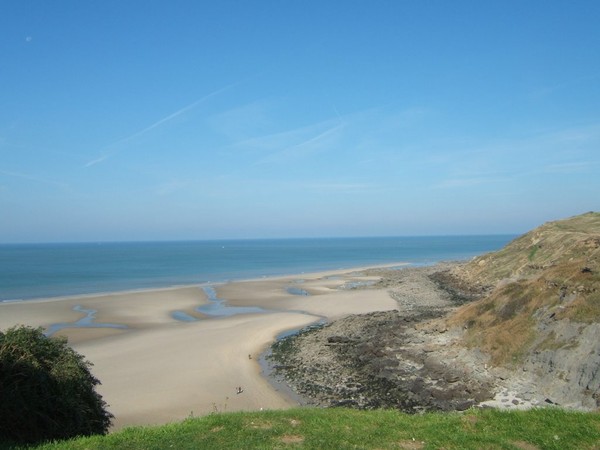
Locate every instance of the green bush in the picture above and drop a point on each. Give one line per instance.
(46, 389)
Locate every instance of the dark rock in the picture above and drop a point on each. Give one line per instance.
(451, 377)
(380, 360)
(463, 405)
(459, 291)
(339, 340)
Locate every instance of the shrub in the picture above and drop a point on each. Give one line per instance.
(46, 389)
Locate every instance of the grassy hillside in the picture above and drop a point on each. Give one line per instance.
(312, 428)
(546, 280)
(574, 241)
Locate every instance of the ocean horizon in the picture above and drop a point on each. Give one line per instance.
(32, 271)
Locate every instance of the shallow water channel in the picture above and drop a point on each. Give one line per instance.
(216, 307)
(84, 322)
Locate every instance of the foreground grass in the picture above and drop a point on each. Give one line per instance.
(312, 428)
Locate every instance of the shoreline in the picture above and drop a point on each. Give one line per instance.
(123, 266)
(159, 369)
(204, 283)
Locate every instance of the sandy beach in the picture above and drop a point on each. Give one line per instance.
(156, 369)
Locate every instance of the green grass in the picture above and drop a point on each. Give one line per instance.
(533, 251)
(312, 428)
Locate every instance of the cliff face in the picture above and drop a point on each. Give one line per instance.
(516, 328)
(541, 314)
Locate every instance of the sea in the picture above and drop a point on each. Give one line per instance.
(32, 271)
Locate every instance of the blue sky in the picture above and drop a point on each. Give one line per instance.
(146, 120)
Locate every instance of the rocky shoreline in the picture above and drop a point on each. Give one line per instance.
(404, 359)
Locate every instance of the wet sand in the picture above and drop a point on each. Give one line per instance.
(159, 369)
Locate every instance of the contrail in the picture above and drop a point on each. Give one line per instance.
(158, 123)
(97, 160)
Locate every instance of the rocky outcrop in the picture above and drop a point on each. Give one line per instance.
(388, 359)
(379, 360)
(544, 318)
(566, 364)
(514, 328)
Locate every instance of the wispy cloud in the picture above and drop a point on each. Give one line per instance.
(570, 150)
(96, 161)
(452, 183)
(107, 153)
(306, 147)
(544, 91)
(25, 176)
(242, 121)
(339, 187)
(172, 187)
(358, 121)
(294, 144)
(571, 167)
(314, 187)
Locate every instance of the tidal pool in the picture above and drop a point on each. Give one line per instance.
(218, 307)
(84, 322)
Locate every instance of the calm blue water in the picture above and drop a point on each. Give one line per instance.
(30, 271)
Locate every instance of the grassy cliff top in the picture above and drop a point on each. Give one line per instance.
(576, 239)
(338, 428)
(551, 272)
